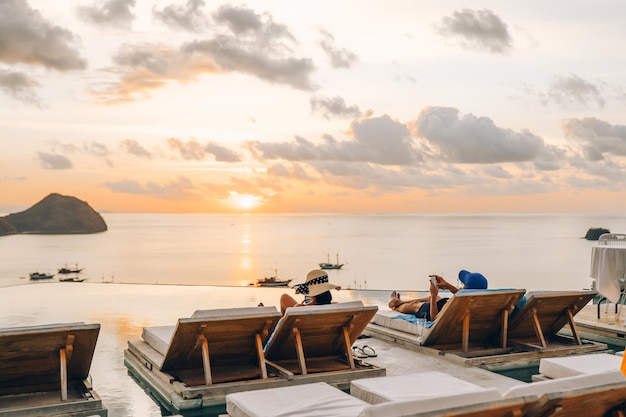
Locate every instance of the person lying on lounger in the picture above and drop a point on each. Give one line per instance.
(429, 307)
(316, 291)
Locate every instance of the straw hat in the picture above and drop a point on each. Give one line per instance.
(315, 284)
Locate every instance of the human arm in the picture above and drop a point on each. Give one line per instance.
(443, 284)
(434, 293)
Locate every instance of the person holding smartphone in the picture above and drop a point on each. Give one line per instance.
(429, 307)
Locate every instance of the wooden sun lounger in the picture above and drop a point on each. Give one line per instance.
(204, 358)
(543, 315)
(471, 320)
(317, 338)
(603, 401)
(44, 370)
(212, 346)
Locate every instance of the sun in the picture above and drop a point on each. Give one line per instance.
(243, 202)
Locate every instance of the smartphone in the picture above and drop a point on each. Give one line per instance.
(433, 279)
(307, 300)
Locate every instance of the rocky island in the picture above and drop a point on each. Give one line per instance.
(55, 214)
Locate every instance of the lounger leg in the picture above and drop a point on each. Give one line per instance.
(572, 326)
(346, 338)
(260, 355)
(63, 371)
(538, 331)
(505, 328)
(466, 326)
(206, 361)
(300, 351)
(65, 354)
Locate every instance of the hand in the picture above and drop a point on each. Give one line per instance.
(438, 278)
(434, 290)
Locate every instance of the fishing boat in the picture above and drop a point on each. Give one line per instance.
(72, 279)
(272, 282)
(39, 275)
(66, 270)
(328, 265)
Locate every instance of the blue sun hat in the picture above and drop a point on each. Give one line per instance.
(473, 280)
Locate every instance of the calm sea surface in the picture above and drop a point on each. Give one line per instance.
(207, 261)
(385, 252)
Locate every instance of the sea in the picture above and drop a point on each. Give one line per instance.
(151, 269)
(379, 252)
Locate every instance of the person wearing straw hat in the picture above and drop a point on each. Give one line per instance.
(316, 291)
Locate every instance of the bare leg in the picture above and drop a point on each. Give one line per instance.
(286, 301)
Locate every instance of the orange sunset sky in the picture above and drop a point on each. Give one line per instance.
(283, 106)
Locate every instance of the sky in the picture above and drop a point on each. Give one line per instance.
(282, 106)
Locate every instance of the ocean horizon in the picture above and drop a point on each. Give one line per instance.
(380, 252)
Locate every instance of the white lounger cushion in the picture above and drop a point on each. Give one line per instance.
(390, 320)
(409, 387)
(159, 337)
(233, 312)
(577, 365)
(322, 400)
(451, 400)
(309, 400)
(566, 384)
(335, 306)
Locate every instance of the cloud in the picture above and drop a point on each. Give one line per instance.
(19, 86)
(113, 13)
(293, 171)
(379, 140)
(188, 17)
(339, 57)
(193, 150)
(53, 161)
(244, 21)
(97, 149)
(145, 67)
(598, 138)
(28, 38)
(480, 30)
(334, 107)
(476, 139)
(256, 46)
(573, 90)
(230, 53)
(179, 189)
(133, 147)
(497, 172)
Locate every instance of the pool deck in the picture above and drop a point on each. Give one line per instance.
(606, 329)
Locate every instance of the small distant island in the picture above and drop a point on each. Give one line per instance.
(55, 214)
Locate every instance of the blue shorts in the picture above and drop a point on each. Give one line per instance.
(424, 310)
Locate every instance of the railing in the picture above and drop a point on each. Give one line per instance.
(612, 239)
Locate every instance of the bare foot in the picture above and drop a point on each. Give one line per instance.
(395, 294)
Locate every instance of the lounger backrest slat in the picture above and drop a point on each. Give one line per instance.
(320, 329)
(482, 312)
(230, 339)
(551, 312)
(30, 357)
